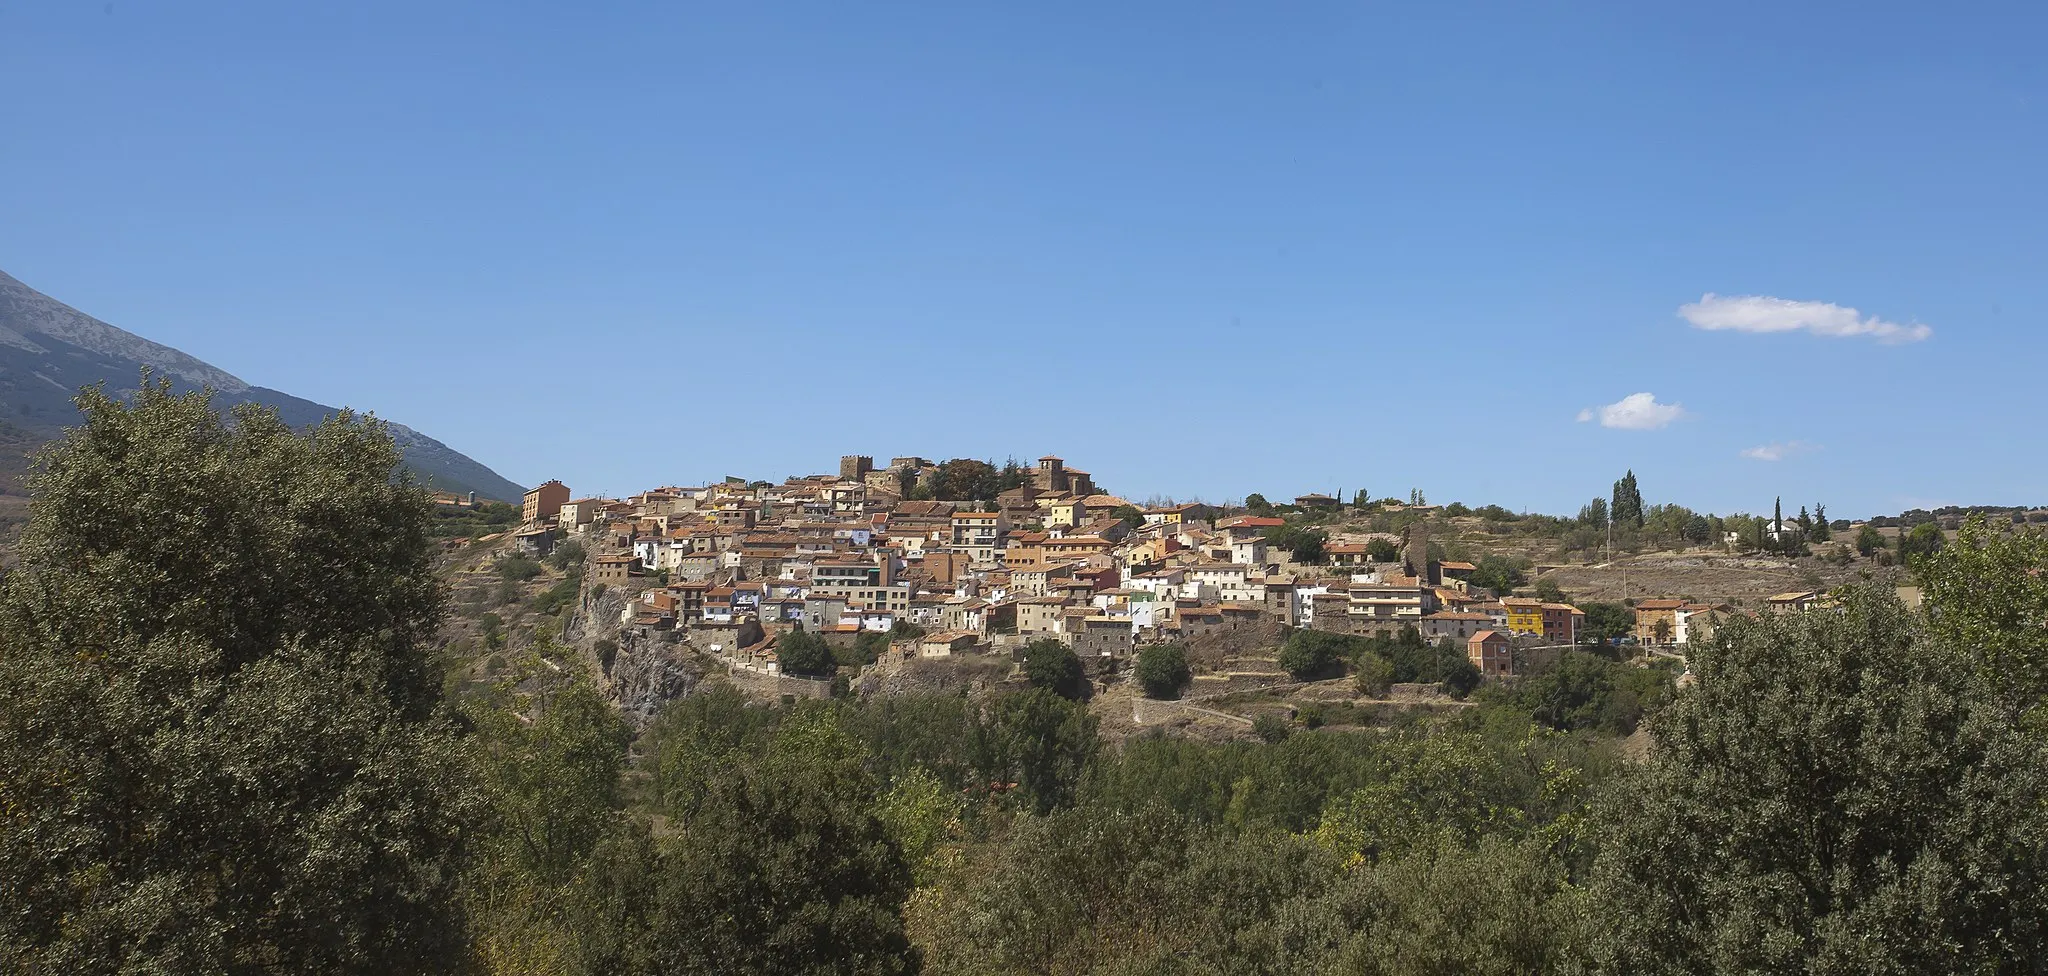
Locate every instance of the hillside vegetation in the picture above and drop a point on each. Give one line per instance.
(233, 744)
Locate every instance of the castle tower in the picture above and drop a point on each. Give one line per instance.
(1415, 556)
(855, 467)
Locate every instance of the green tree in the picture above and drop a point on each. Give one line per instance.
(1257, 504)
(1501, 906)
(1270, 727)
(1821, 532)
(920, 812)
(1869, 540)
(1460, 677)
(968, 480)
(1382, 550)
(786, 868)
(1498, 574)
(1587, 691)
(1548, 591)
(1374, 675)
(1925, 539)
(1011, 477)
(1039, 741)
(1050, 664)
(1606, 621)
(1129, 515)
(1312, 654)
(1593, 514)
(553, 775)
(801, 652)
(1988, 592)
(1836, 794)
(1307, 546)
(553, 767)
(222, 748)
(867, 648)
(1627, 507)
(1444, 788)
(568, 555)
(1163, 670)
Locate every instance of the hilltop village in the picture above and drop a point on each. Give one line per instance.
(867, 550)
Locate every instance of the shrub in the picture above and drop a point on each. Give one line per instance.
(804, 653)
(1312, 654)
(1163, 671)
(1051, 665)
(1375, 675)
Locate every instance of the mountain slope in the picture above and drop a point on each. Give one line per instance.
(49, 349)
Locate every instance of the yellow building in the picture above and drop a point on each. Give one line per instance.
(1525, 617)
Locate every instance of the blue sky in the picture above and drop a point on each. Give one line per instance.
(1196, 249)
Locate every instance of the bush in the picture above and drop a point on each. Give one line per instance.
(1312, 654)
(1163, 671)
(1270, 727)
(553, 599)
(804, 653)
(1375, 675)
(1311, 715)
(865, 649)
(518, 568)
(1460, 678)
(1052, 665)
(1498, 574)
(1585, 691)
(506, 592)
(569, 553)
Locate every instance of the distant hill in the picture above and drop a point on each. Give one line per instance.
(48, 350)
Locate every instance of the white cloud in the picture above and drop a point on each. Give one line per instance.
(1762, 313)
(1637, 411)
(1779, 451)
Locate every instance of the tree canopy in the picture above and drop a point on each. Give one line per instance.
(1050, 664)
(803, 653)
(1163, 670)
(222, 749)
(1839, 793)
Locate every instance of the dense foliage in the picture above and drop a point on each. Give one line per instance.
(225, 750)
(1163, 670)
(222, 748)
(1050, 664)
(1841, 793)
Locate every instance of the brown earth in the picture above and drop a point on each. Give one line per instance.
(1705, 576)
